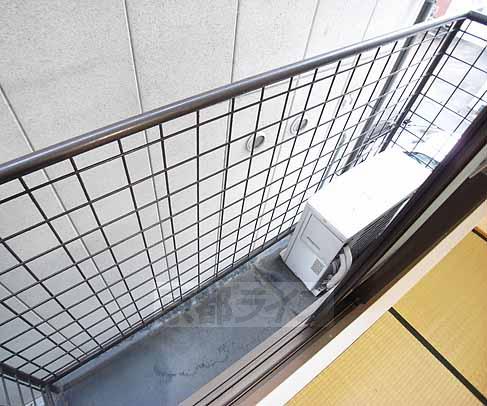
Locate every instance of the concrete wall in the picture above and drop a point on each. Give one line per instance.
(69, 67)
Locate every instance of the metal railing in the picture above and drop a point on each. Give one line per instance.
(105, 232)
(21, 389)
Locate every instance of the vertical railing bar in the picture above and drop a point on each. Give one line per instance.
(254, 137)
(161, 144)
(21, 395)
(434, 63)
(105, 238)
(159, 218)
(343, 94)
(139, 222)
(7, 397)
(292, 148)
(225, 178)
(378, 122)
(351, 112)
(47, 396)
(171, 219)
(68, 253)
(266, 183)
(34, 402)
(275, 167)
(198, 193)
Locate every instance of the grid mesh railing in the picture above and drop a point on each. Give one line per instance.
(103, 234)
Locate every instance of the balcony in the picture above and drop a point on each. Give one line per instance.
(145, 254)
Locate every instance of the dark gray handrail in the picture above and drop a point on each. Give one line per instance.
(66, 149)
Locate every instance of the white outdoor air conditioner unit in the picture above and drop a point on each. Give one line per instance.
(341, 219)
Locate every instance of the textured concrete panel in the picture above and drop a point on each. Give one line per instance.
(69, 66)
(13, 143)
(339, 23)
(271, 34)
(391, 16)
(181, 48)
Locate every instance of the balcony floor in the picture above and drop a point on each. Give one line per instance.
(193, 344)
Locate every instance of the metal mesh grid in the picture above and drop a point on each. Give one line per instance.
(451, 97)
(99, 244)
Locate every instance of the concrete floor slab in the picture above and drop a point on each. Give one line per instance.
(198, 341)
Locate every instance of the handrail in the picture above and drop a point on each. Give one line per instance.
(66, 149)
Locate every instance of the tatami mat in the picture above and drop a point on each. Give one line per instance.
(436, 341)
(449, 309)
(385, 366)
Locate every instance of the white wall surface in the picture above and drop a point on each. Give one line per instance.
(69, 67)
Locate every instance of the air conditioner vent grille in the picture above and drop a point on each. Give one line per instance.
(362, 239)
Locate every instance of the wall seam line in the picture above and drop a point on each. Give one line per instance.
(290, 106)
(149, 155)
(227, 139)
(57, 197)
